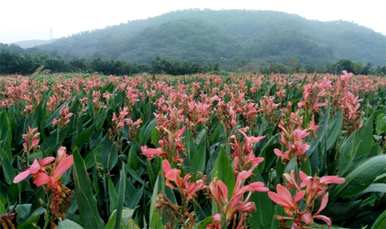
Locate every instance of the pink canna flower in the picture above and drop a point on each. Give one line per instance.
(186, 188)
(37, 170)
(236, 206)
(284, 198)
(31, 140)
(64, 117)
(309, 190)
(63, 163)
(243, 154)
(151, 153)
(219, 191)
(119, 120)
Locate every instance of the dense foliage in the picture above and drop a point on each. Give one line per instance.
(14, 60)
(234, 39)
(201, 151)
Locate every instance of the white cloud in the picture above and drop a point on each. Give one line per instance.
(25, 19)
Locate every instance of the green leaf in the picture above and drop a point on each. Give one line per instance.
(145, 132)
(203, 223)
(380, 223)
(22, 212)
(155, 216)
(264, 215)
(376, 187)
(113, 195)
(32, 219)
(380, 125)
(357, 148)
(334, 130)
(197, 160)
(223, 169)
(121, 196)
(89, 215)
(126, 215)
(361, 177)
(68, 224)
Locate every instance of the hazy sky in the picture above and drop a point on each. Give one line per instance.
(32, 19)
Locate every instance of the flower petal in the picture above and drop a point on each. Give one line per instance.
(63, 166)
(324, 218)
(21, 176)
(323, 203)
(46, 161)
(41, 179)
(332, 180)
(35, 167)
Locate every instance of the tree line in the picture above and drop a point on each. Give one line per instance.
(27, 63)
(15, 62)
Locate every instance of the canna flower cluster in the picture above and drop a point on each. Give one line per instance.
(299, 198)
(47, 172)
(188, 191)
(293, 138)
(233, 209)
(31, 140)
(243, 152)
(64, 117)
(122, 119)
(315, 95)
(171, 147)
(268, 107)
(345, 100)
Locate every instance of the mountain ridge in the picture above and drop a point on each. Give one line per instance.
(233, 38)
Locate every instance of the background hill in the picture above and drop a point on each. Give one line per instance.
(31, 43)
(231, 38)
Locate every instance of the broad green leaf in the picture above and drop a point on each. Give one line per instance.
(380, 223)
(223, 169)
(113, 195)
(68, 224)
(126, 215)
(361, 177)
(31, 221)
(89, 215)
(380, 125)
(264, 215)
(376, 187)
(145, 132)
(357, 148)
(22, 212)
(155, 216)
(121, 196)
(197, 153)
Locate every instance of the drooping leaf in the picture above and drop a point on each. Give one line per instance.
(357, 147)
(361, 177)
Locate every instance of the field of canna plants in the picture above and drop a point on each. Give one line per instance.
(200, 151)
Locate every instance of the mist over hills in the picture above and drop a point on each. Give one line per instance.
(31, 43)
(231, 38)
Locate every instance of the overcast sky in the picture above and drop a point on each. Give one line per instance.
(33, 19)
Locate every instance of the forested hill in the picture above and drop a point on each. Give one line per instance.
(232, 38)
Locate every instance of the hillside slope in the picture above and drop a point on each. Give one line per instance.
(228, 37)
